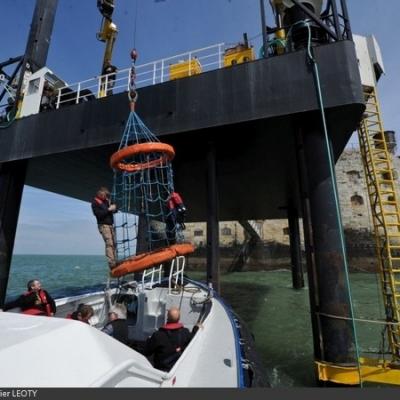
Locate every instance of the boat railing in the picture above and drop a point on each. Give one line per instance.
(152, 73)
(150, 278)
(175, 279)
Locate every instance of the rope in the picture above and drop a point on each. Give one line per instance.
(11, 118)
(372, 321)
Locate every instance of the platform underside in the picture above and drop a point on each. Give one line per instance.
(251, 111)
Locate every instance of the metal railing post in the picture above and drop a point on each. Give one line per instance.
(162, 70)
(99, 87)
(154, 72)
(58, 99)
(220, 56)
(78, 93)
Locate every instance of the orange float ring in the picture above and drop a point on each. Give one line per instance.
(143, 261)
(182, 249)
(117, 159)
(147, 260)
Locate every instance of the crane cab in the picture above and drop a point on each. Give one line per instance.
(39, 91)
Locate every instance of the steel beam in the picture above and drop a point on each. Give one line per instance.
(12, 178)
(212, 219)
(295, 248)
(39, 38)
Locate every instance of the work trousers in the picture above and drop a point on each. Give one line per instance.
(108, 234)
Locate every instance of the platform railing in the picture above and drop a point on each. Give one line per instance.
(208, 58)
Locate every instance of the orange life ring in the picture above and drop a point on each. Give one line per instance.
(117, 159)
(147, 260)
(182, 249)
(143, 261)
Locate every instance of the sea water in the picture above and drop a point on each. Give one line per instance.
(277, 315)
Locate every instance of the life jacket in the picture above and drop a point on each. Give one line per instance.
(36, 310)
(175, 341)
(174, 201)
(178, 209)
(98, 200)
(172, 325)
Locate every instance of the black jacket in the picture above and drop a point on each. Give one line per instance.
(100, 210)
(167, 344)
(29, 299)
(118, 329)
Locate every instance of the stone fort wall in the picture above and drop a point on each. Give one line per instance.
(274, 249)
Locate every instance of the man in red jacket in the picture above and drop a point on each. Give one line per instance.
(36, 301)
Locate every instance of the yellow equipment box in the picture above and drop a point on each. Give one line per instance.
(238, 55)
(184, 68)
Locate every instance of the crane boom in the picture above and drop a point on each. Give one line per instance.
(107, 34)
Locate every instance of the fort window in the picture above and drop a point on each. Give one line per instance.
(356, 200)
(353, 176)
(198, 232)
(286, 231)
(226, 231)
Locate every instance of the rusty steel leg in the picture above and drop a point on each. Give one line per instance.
(332, 291)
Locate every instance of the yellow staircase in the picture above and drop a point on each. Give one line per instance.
(385, 213)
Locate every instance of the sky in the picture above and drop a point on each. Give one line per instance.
(54, 224)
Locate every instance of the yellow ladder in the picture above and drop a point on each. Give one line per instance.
(385, 208)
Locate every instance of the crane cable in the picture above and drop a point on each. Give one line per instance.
(135, 24)
(132, 93)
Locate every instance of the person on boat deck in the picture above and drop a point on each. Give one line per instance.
(83, 313)
(36, 301)
(168, 343)
(104, 213)
(117, 326)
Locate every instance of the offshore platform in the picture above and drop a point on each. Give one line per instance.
(256, 138)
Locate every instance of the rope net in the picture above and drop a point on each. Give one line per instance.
(149, 217)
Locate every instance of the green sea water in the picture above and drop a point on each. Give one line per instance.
(276, 314)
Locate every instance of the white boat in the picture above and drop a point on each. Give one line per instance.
(70, 353)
